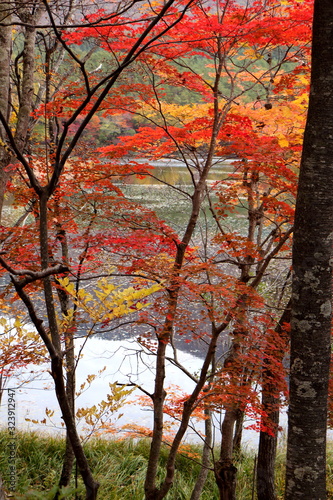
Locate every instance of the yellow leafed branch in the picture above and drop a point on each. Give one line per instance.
(107, 301)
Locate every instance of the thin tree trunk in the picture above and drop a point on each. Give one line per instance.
(58, 376)
(312, 278)
(237, 442)
(91, 485)
(69, 456)
(206, 452)
(64, 399)
(225, 471)
(271, 406)
(268, 445)
(188, 408)
(151, 490)
(67, 467)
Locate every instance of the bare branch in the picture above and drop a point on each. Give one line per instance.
(33, 275)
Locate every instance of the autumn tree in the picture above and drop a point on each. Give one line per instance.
(264, 175)
(42, 167)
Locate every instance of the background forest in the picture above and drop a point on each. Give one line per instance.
(148, 173)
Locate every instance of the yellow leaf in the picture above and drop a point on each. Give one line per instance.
(17, 323)
(283, 142)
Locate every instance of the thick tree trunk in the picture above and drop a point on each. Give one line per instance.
(312, 278)
(225, 476)
(28, 77)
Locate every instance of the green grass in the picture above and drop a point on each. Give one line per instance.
(120, 468)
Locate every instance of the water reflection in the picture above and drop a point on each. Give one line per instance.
(176, 173)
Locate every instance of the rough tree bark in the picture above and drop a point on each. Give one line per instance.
(312, 278)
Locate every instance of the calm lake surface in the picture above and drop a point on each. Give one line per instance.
(171, 205)
(125, 362)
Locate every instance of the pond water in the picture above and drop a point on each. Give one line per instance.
(124, 362)
(174, 205)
